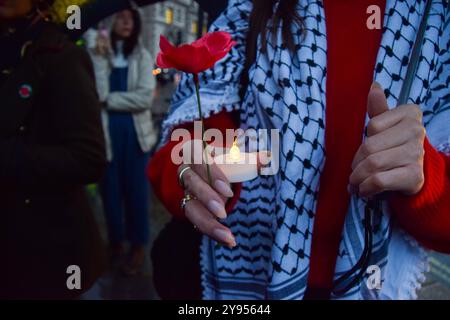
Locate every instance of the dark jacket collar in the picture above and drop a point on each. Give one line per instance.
(24, 39)
(14, 39)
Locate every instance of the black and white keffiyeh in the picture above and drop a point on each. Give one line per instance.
(273, 219)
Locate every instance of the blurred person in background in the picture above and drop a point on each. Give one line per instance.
(51, 145)
(125, 83)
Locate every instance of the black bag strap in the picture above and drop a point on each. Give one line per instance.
(415, 57)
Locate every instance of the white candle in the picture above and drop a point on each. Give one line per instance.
(238, 166)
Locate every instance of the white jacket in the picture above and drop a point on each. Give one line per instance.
(137, 100)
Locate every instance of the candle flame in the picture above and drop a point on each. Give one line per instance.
(235, 153)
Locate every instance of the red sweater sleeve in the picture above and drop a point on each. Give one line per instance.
(426, 215)
(162, 172)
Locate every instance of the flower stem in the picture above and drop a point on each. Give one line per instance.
(199, 104)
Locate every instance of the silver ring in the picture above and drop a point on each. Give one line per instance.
(180, 176)
(185, 200)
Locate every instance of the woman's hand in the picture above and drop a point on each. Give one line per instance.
(103, 44)
(209, 204)
(391, 158)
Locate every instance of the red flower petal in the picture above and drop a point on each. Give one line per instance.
(165, 45)
(192, 59)
(198, 56)
(164, 62)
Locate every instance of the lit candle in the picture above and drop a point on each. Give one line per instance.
(236, 165)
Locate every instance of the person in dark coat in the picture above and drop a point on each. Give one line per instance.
(51, 146)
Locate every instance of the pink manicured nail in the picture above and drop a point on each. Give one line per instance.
(225, 237)
(217, 209)
(223, 188)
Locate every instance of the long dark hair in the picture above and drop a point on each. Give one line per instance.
(262, 13)
(132, 41)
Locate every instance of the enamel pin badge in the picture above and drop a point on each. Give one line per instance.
(25, 91)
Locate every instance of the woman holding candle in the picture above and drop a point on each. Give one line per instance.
(296, 235)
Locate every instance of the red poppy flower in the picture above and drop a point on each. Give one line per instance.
(197, 56)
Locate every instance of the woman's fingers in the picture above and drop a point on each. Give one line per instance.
(392, 157)
(102, 45)
(395, 136)
(207, 224)
(198, 187)
(385, 160)
(219, 181)
(393, 180)
(390, 118)
(263, 160)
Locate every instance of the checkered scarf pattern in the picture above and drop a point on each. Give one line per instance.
(273, 219)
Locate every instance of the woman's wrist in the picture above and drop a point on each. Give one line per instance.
(434, 187)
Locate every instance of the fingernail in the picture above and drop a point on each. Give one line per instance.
(225, 237)
(376, 85)
(223, 188)
(217, 208)
(265, 158)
